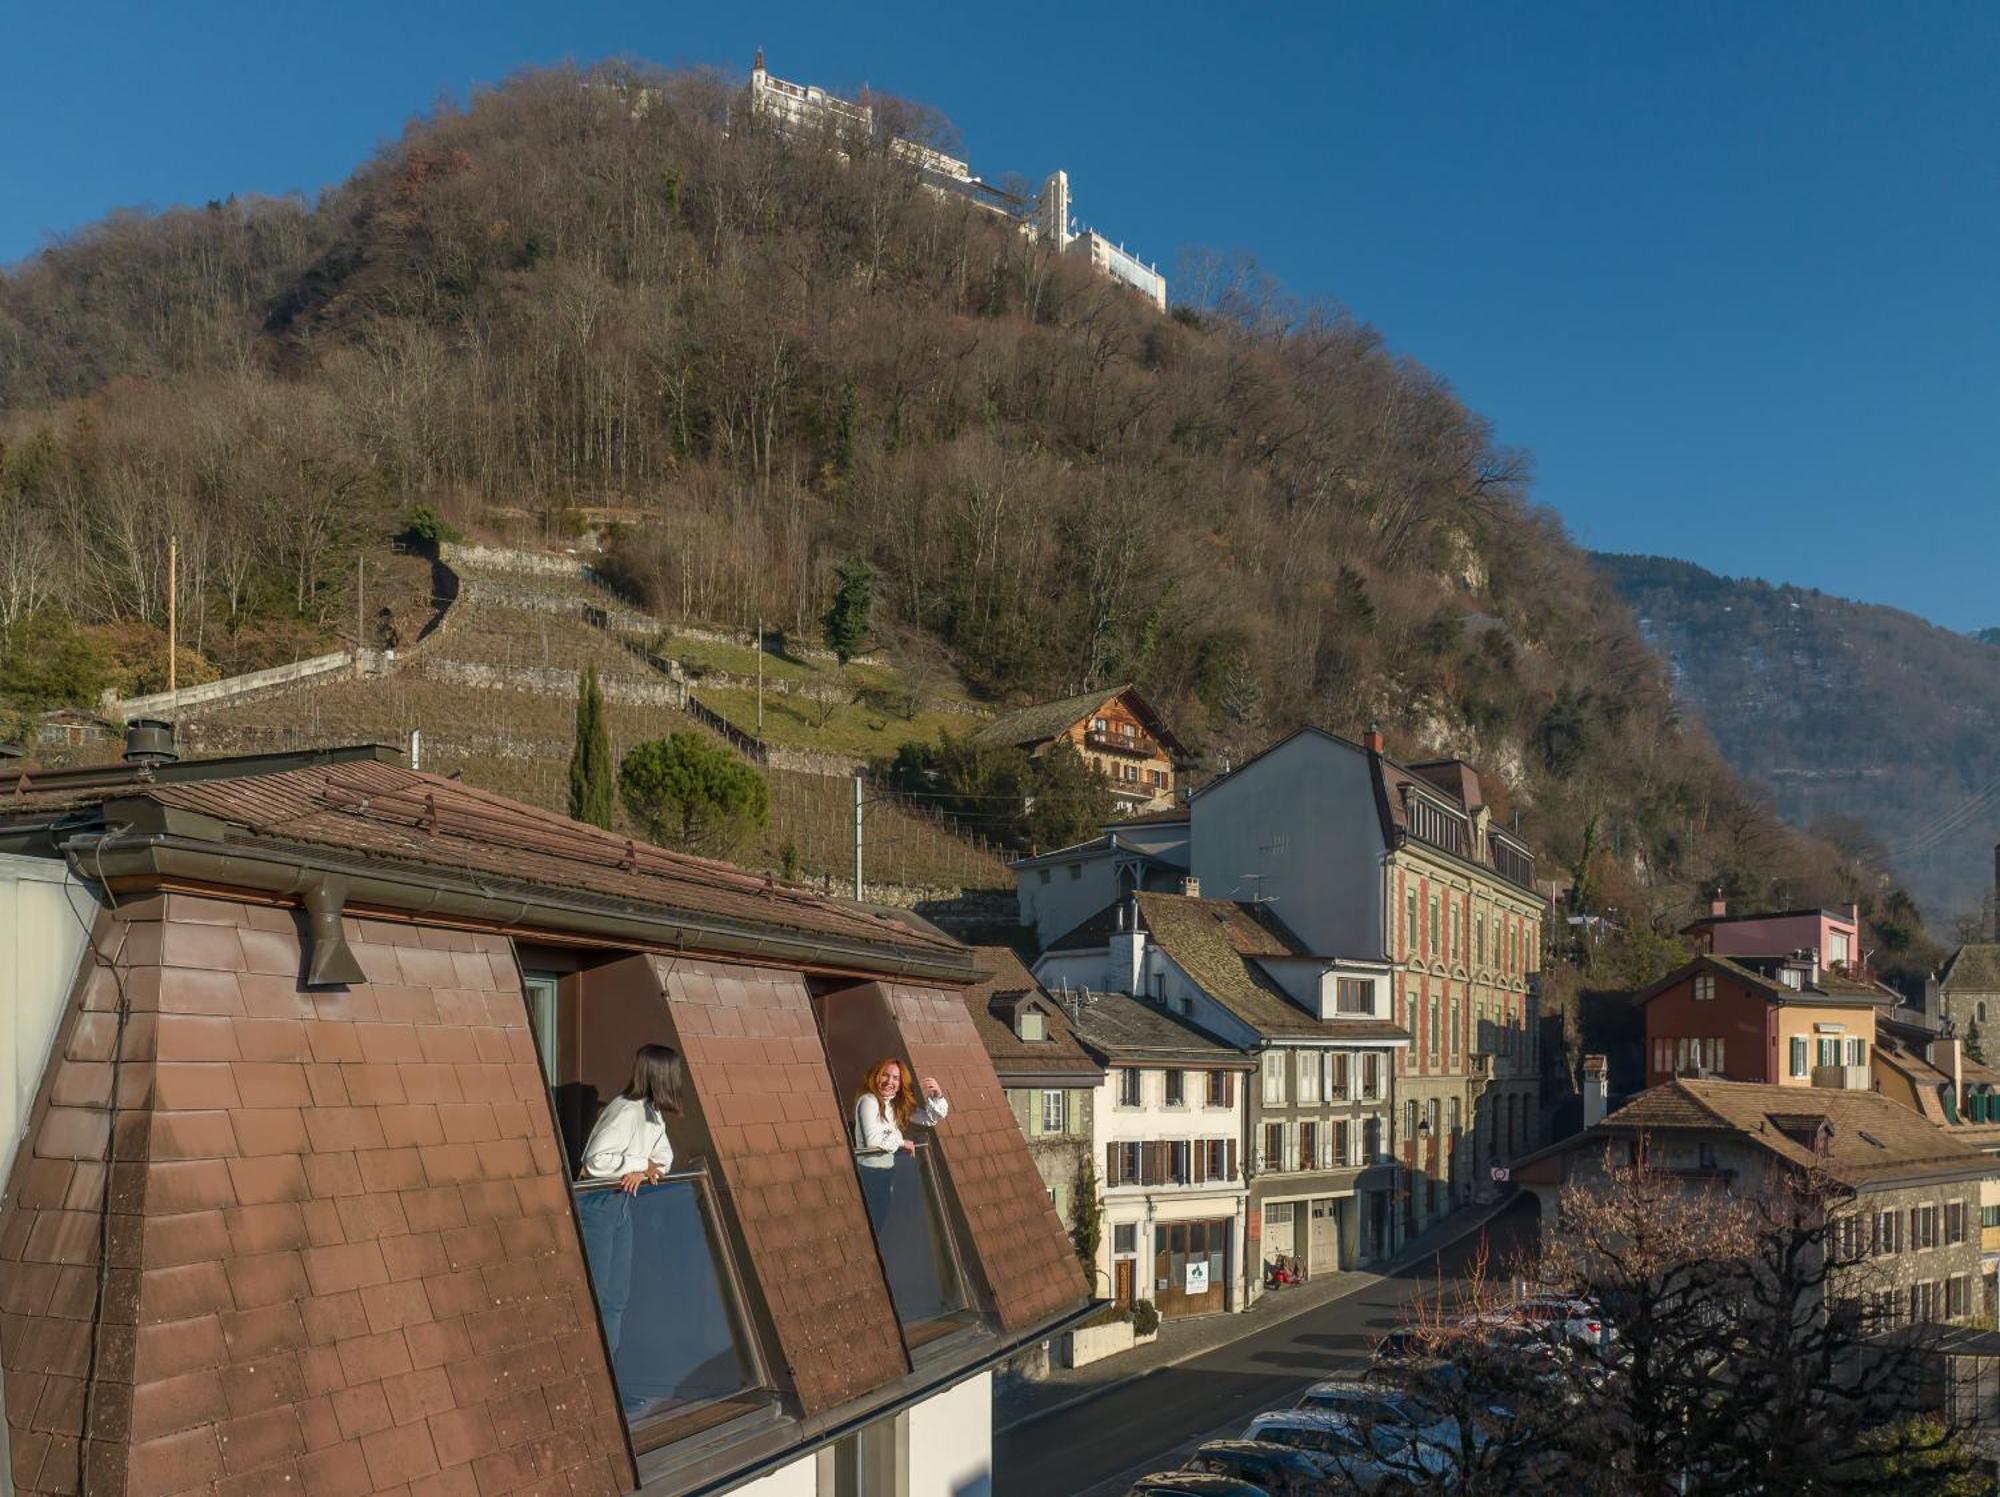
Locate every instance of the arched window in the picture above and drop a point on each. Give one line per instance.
(1982, 1010)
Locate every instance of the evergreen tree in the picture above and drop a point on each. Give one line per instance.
(846, 621)
(689, 793)
(1972, 1046)
(1069, 800)
(590, 759)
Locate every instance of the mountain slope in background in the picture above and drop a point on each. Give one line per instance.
(1845, 710)
(617, 294)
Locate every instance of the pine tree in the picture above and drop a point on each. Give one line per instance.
(846, 621)
(1972, 1045)
(590, 759)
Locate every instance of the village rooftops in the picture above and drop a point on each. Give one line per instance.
(1861, 1139)
(1130, 1031)
(1227, 948)
(1814, 912)
(1825, 988)
(1438, 803)
(1973, 968)
(995, 1003)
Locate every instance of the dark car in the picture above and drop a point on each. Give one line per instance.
(1192, 1484)
(1278, 1469)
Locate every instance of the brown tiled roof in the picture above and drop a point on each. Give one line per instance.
(1017, 1239)
(385, 811)
(759, 1075)
(1972, 969)
(1829, 989)
(1872, 1139)
(1040, 723)
(343, 1258)
(1217, 943)
(1059, 1054)
(1126, 1029)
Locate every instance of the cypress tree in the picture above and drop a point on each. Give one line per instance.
(590, 759)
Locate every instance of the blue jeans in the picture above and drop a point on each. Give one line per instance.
(607, 1241)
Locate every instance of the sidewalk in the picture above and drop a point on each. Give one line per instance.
(1022, 1402)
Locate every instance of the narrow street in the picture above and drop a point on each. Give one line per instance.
(1096, 1448)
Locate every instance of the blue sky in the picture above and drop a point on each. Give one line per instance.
(1727, 271)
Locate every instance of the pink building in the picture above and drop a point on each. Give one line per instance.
(1834, 938)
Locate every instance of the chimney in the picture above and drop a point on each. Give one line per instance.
(1593, 1090)
(1717, 905)
(1944, 1053)
(150, 740)
(1372, 741)
(1191, 887)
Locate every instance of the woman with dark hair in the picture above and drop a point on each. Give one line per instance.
(629, 1144)
(921, 1281)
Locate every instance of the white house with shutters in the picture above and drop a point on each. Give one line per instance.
(1167, 1126)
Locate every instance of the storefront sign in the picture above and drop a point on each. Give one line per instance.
(1197, 1276)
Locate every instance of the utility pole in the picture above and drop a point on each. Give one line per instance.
(173, 617)
(360, 608)
(760, 678)
(857, 837)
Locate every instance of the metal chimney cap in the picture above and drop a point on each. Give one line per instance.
(150, 740)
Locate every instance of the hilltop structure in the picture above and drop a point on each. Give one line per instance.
(804, 108)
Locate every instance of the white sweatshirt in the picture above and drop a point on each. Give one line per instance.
(876, 1136)
(629, 1136)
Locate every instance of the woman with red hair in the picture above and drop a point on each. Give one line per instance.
(921, 1281)
(886, 1106)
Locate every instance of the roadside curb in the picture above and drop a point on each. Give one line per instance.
(1363, 1281)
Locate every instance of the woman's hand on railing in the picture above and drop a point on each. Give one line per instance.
(906, 1147)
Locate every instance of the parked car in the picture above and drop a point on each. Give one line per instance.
(1370, 1403)
(1192, 1484)
(1579, 1319)
(1278, 1469)
(1370, 1457)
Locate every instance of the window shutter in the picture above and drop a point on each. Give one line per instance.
(1034, 1112)
(1111, 1172)
(1229, 1159)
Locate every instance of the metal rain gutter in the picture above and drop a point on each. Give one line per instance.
(424, 892)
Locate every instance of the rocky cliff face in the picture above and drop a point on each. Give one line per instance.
(1844, 710)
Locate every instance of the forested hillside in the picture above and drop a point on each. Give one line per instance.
(611, 291)
(1878, 729)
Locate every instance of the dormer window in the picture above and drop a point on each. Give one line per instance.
(1031, 1025)
(1791, 977)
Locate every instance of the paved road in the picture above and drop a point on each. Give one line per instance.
(1151, 1424)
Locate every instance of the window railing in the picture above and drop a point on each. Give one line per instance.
(906, 1211)
(668, 1299)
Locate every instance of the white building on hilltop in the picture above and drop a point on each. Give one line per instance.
(802, 108)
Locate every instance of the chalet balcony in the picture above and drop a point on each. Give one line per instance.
(1118, 743)
(670, 1303)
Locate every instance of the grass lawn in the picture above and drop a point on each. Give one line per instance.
(860, 728)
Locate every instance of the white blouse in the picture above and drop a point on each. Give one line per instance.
(876, 1136)
(629, 1135)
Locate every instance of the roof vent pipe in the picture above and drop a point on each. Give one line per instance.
(150, 740)
(332, 960)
